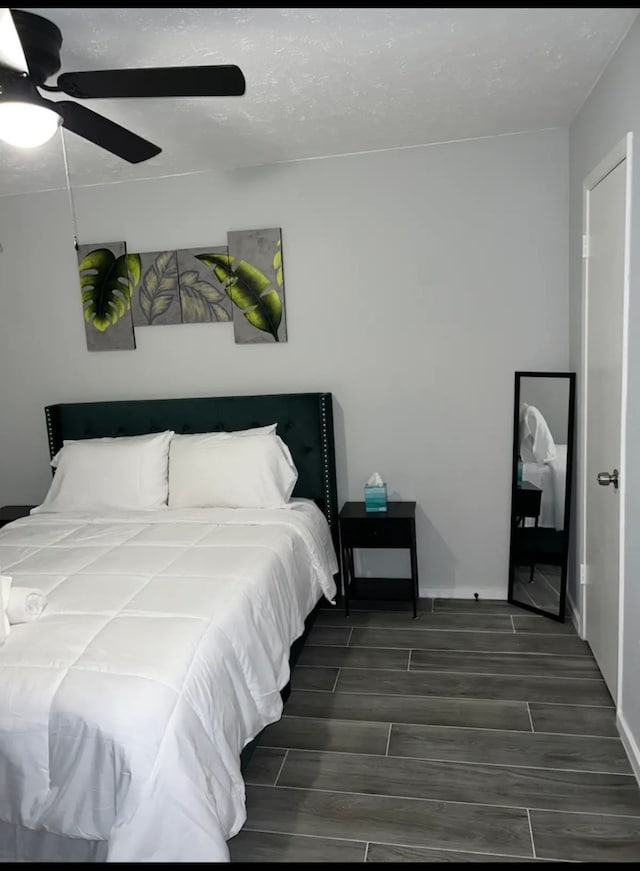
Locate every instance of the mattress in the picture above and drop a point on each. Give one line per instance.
(161, 653)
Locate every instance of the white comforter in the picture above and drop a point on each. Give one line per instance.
(551, 477)
(161, 653)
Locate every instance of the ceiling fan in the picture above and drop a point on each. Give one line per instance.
(30, 53)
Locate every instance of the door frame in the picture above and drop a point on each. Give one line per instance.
(621, 152)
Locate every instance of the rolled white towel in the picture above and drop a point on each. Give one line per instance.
(25, 604)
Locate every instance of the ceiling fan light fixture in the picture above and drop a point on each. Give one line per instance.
(30, 54)
(27, 125)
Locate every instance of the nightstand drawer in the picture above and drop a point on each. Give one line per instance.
(376, 532)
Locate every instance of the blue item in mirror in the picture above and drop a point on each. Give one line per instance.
(519, 473)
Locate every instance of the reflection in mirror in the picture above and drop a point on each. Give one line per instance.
(541, 490)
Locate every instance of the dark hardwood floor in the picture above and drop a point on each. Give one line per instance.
(476, 733)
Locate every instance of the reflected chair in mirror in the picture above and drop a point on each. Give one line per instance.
(542, 468)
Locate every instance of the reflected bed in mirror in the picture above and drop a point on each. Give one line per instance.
(543, 432)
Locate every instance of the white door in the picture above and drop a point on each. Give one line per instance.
(604, 331)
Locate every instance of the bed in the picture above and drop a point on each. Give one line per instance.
(165, 645)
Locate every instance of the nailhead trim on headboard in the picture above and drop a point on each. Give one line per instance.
(47, 414)
(325, 460)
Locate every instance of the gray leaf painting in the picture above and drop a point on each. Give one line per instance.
(156, 300)
(202, 295)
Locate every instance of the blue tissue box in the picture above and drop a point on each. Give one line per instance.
(375, 498)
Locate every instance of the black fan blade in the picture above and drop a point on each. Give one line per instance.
(11, 51)
(205, 81)
(103, 132)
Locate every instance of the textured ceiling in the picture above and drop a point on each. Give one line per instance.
(323, 82)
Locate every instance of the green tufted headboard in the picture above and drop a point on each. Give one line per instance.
(305, 423)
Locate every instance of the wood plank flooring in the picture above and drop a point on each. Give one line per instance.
(475, 733)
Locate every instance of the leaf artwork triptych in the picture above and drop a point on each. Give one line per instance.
(241, 282)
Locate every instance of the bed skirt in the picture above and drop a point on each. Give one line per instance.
(296, 649)
(18, 843)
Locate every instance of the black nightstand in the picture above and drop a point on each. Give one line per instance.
(13, 512)
(395, 527)
(527, 501)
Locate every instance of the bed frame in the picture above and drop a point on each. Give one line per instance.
(305, 423)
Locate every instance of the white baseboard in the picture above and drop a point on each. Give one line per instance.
(464, 592)
(467, 592)
(629, 742)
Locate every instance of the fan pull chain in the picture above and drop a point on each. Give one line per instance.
(71, 202)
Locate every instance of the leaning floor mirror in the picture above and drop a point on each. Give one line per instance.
(543, 433)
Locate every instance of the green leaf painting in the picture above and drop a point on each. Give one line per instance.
(242, 282)
(201, 296)
(106, 282)
(249, 289)
(156, 300)
(254, 282)
(107, 276)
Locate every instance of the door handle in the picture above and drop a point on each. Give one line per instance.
(606, 478)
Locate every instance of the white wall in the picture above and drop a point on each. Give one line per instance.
(612, 110)
(417, 282)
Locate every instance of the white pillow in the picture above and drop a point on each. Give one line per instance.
(254, 471)
(126, 472)
(119, 440)
(212, 436)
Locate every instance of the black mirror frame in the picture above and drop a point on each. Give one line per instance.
(571, 377)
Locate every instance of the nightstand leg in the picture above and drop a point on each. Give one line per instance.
(346, 578)
(414, 578)
(533, 563)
